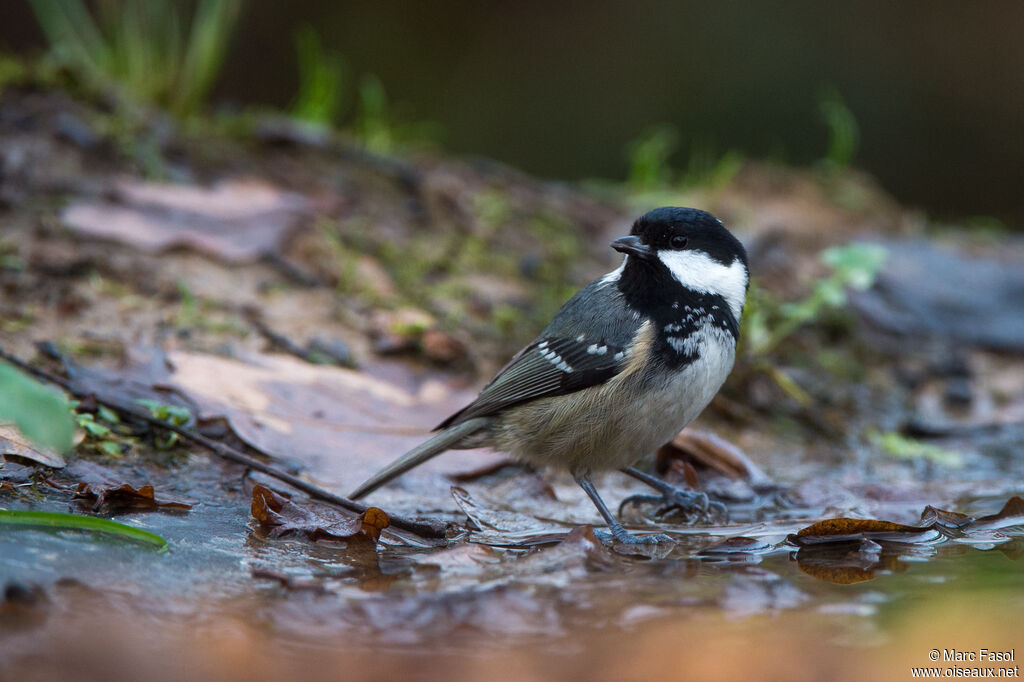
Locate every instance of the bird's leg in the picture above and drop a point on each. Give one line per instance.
(618, 532)
(686, 501)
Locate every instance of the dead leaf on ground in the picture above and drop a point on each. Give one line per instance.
(124, 498)
(503, 527)
(13, 443)
(279, 517)
(344, 424)
(707, 451)
(143, 378)
(235, 220)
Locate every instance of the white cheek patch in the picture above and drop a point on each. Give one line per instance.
(698, 271)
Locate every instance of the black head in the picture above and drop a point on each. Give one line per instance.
(677, 229)
(675, 247)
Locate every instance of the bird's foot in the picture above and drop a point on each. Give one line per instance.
(691, 505)
(620, 535)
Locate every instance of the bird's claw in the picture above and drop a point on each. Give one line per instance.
(626, 538)
(692, 505)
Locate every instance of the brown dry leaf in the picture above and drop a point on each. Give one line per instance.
(279, 517)
(13, 443)
(343, 424)
(124, 498)
(846, 563)
(441, 347)
(850, 530)
(711, 452)
(235, 220)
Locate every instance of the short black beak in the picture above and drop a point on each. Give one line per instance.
(633, 246)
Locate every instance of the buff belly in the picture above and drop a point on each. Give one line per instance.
(613, 425)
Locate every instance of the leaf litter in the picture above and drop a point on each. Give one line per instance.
(14, 444)
(125, 498)
(279, 516)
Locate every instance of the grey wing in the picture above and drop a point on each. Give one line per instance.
(586, 344)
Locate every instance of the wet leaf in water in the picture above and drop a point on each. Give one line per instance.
(947, 519)
(847, 563)
(504, 528)
(290, 582)
(461, 558)
(12, 442)
(847, 530)
(1012, 514)
(279, 517)
(583, 541)
(739, 547)
(125, 498)
(852, 550)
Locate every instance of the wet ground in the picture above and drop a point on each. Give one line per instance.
(320, 311)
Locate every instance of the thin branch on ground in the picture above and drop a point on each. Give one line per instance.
(422, 528)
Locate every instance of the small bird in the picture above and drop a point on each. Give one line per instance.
(628, 361)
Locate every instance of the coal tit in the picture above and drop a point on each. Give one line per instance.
(626, 363)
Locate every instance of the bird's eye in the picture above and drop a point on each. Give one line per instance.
(678, 242)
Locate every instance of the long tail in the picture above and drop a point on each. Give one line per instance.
(420, 454)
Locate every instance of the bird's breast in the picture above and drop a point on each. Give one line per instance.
(612, 425)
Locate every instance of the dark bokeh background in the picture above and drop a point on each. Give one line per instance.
(558, 89)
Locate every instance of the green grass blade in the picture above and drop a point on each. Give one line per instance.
(78, 522)
(72, 33)
(207, 43)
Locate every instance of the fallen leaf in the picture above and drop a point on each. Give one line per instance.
(235, 220)
(512, 524)
(847, 563)
(947, 519)
(124, 498)
(344, 424)
(710, 452)
(290, 582)
(279, 517)
(1012, 514)
(13, 443)
(441, 347)
(736, 545)
(850, 530)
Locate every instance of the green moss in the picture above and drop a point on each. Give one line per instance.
(900, 447)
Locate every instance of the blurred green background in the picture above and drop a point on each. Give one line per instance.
(935, 89)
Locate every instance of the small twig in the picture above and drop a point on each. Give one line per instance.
(278, 340)
(421, 528)
(291, 271)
